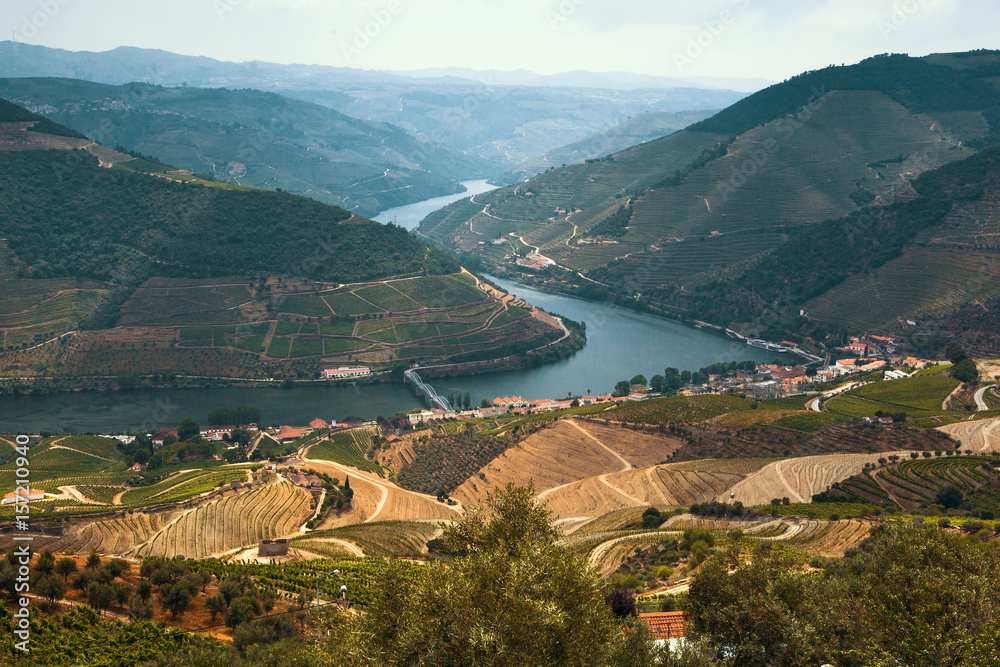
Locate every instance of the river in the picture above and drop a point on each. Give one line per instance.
(620, 344)
(409, 216)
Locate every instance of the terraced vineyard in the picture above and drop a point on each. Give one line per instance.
(678, 409)
(911, 484)
(348, 448)
(381, 538)
(113, 535)
(183, 486)
(238, 520)
(829, 538)
(294, 578)
(919, 397)
(923, 281)
(798, 479)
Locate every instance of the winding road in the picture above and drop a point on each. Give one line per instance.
(981, 404)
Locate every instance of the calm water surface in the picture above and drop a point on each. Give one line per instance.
(620, 344)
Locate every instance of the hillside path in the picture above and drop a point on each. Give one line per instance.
(626, 465)
(980, 400)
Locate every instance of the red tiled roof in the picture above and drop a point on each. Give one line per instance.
(666, 625)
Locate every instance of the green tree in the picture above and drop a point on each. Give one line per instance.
(954, 352)
(46, 563)
(51, 587)
(65, 566)
(511, 597)
(100, 596)
(949, 497)
(175, 598)
(622, 388)
(242, 610)
(215, 604)
(638, 379)
(188, 430)
(965, 371)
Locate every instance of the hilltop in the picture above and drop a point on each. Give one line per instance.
(494, 120)
(255, 138)
(660, 221)
(116, 266)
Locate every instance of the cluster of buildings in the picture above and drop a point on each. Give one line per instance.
(534, 262)
(207, 433)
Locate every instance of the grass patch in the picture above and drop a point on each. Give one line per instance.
(342, 448)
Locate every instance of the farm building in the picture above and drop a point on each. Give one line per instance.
(666, 626)
(288, 434)
(318, 424)
(158, 436)
(33, 496)
(346, 372)
(534, 262)
(273, 548)
(305, 481)
(510, 402)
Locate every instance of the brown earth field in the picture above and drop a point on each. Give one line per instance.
(981, 436)
(669, 485)
(568, 451)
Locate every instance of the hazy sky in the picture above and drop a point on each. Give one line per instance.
(733, 38)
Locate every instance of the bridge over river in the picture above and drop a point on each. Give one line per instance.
(424, 389)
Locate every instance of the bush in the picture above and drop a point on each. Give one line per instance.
(949, 497)
(621, 601)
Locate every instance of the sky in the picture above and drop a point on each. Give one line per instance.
(726, 38)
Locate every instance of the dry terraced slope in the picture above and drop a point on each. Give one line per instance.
(981, 436)
(671, 485)
(798, 479)
(377, 499)
(207, 529)
(565, 452)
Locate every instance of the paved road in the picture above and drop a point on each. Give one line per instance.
(980, 400)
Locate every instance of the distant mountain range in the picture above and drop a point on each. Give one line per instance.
(253, 138)
(685, 223)
(490, 121)
(581, 79)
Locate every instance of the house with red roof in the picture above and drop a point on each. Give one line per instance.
(666, 625)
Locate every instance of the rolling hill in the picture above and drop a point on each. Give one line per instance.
(494, 120)
(114, 266)
(709, 204)
(639, 129)
(254, 138)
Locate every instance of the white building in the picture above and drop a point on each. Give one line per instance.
(346, 372)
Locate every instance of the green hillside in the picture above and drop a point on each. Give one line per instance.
(636, 130)
(255, 138)
(219, 280)
(723, 205)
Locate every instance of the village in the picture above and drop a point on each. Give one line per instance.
(863, 356)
